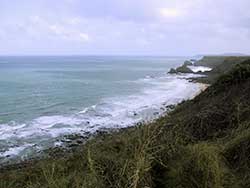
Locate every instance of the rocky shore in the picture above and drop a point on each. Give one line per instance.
(69, 144)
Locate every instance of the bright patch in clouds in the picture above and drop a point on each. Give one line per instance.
(84, 36)
(170, 12)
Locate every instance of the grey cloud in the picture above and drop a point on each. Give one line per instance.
(173, 27)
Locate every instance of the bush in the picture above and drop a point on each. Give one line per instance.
(199, 167)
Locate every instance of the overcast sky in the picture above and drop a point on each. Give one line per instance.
(132, 27)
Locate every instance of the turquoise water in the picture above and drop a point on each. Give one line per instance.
(42, 98)
(35, 86)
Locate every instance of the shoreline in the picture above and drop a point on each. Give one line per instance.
(70, 142)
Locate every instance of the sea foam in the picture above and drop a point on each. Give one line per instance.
(116, 112)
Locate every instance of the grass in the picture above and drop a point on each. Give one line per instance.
(199, 167)
(203, 143)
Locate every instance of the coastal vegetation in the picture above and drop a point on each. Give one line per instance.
(202, 143)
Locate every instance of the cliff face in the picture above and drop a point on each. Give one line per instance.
(203, 143)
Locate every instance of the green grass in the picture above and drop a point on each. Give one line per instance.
(203, 143)
(199, 167)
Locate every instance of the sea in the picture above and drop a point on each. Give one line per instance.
(43, 98)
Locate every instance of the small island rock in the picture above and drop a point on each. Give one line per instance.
(172, 71)
(184, 69)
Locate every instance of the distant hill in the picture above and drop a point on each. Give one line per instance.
(224, 54)
(234, 54)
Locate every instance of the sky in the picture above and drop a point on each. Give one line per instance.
(124, 27)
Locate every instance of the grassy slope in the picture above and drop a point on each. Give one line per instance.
(203, 143)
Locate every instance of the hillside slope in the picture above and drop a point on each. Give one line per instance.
(203, 143)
